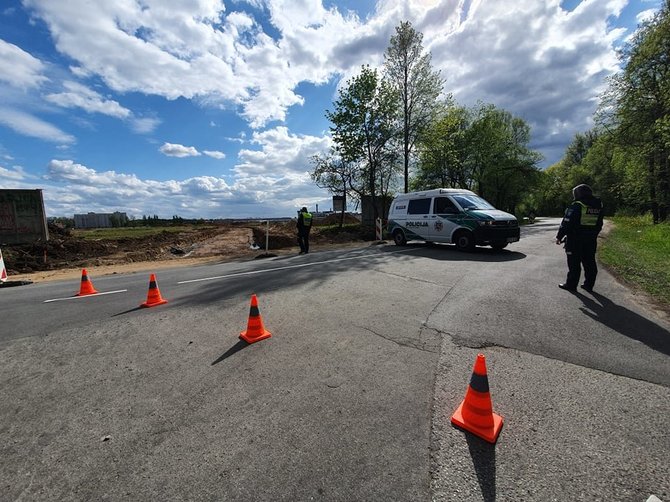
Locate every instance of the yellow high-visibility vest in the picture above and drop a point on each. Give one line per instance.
(589, 215)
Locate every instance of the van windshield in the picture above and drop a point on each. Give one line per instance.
(468, 202)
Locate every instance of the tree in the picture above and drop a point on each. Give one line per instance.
(577, 150)
(442, 150)
(484, 149)
(363, 126)
(501, 165)
(639, 98)
(417, 86)
(337, 176)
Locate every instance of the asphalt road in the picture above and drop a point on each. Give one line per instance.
(351, 398)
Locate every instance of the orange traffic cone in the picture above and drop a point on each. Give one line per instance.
(154, 295)
(475, 413)
(255, 330)
(86, 287)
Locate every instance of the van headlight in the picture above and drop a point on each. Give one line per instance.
(485, 223)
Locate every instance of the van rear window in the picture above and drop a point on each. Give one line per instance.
(418, 206)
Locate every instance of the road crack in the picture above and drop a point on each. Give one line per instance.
(425, 344)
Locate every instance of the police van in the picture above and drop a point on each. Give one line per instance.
(449, 215)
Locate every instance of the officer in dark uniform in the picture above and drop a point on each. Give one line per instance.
(579, 230)
(304, 226)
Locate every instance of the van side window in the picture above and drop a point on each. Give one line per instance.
(444, 206)
(418, 206)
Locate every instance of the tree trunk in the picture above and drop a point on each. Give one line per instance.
(652, 189)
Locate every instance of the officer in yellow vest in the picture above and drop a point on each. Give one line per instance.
(579, 230)
(304, 226)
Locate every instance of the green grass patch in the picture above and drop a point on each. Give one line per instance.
(639, 252)
(128, 232)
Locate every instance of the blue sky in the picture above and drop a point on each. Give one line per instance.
(210, 108)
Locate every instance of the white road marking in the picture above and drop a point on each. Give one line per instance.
(287, 267)
(84, 296)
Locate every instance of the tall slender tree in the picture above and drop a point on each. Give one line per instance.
(418, 86)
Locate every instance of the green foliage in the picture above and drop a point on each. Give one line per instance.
(625, 158)
(640, 99)
(364, 119)
(484, 149)
(443, 151)
(639, 252)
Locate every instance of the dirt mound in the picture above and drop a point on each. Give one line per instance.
(70, 250)
(335, 218)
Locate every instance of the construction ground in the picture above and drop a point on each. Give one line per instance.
(67, 251)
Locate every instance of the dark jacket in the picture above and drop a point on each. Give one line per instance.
(304, 222)
(583, 218)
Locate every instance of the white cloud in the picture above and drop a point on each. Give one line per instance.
(281, 152)
(214, 154)
(144, 125)
(534, 59)
(80, 96)
(173, 150)
(271, 181)
(74, 188)
(29, 125)
(645, 15)
(20, 69)
(9, 175)
(160, 47)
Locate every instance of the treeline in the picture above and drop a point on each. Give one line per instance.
(625, 157)
(393, 131)
(118, 221)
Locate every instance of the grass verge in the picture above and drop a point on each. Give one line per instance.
(638, 252)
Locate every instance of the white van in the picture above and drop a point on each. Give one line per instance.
(451, 216)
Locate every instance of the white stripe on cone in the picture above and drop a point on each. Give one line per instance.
(3, 270)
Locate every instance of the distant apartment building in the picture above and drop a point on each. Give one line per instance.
(100, 220)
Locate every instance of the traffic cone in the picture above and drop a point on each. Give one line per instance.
(255, 330)
(3, 270)
(475, 413)
(154, 295)
(86, 287)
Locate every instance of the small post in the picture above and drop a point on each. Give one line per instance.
(267, 235)
(378, 229)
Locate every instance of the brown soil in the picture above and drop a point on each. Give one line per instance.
(65, 254)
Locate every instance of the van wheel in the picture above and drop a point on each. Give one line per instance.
(399, 238)
(464, 241)
(499, 247)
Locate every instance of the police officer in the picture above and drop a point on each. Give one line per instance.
(304, 226)
(579, 230)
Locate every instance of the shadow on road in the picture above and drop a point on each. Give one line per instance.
(626, 322)
(241, 344)
(448, 252)
(316, 269)
(128, 311)
(484, 459)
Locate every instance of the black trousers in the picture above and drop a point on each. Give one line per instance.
(303, 240)
(581, 251)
